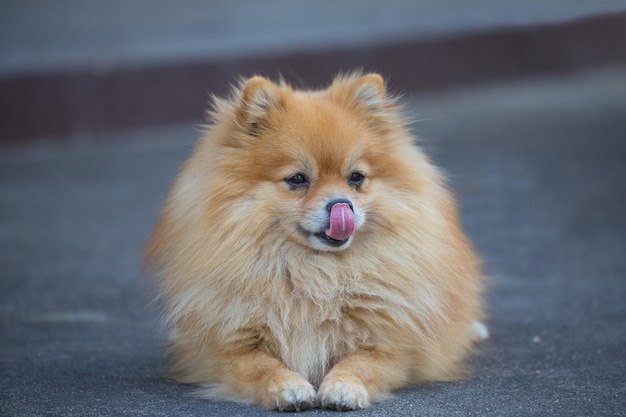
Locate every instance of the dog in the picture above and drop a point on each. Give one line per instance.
(310, 255)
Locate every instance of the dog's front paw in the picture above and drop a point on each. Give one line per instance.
(293, 394)
(343, 395)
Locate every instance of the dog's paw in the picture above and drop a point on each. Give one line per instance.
(294, 394)
(478, 332)
(343, 395)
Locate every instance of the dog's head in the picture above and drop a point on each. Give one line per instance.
(313, 166)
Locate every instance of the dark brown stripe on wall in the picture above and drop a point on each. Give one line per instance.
(70, 103)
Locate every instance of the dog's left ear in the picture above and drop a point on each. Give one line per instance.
(370, 91)
(258, 96)
(362, 93)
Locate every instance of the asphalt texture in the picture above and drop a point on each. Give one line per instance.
(540, 169)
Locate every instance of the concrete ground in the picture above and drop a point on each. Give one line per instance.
(540, 169)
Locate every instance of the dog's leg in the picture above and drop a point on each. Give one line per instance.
(258, 377)
(359, 379)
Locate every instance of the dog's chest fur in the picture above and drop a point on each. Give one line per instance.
(309, 336)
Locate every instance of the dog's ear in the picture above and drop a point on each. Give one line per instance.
(258, 97)
(370, 92)
(362, 93)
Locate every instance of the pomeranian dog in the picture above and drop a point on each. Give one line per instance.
(310, 255)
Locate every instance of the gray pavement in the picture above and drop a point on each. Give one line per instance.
(539, 167)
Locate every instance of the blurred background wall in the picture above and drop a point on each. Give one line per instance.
(72, 68)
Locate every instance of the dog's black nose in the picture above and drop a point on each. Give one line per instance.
(331, 203)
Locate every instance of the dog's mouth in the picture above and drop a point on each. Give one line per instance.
(323, 237)
(340, 226)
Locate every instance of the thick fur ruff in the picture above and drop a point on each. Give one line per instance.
(261, 306)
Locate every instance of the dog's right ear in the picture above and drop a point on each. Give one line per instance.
(258, 97)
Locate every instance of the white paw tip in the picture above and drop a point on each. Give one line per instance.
(344, 396)
(295, 396)
(479, 331)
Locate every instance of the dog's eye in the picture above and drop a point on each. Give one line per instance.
(356, 178)
(298, 180)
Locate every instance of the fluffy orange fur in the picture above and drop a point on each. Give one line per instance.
(262, 309)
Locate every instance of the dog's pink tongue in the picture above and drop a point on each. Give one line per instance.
(341, 222)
